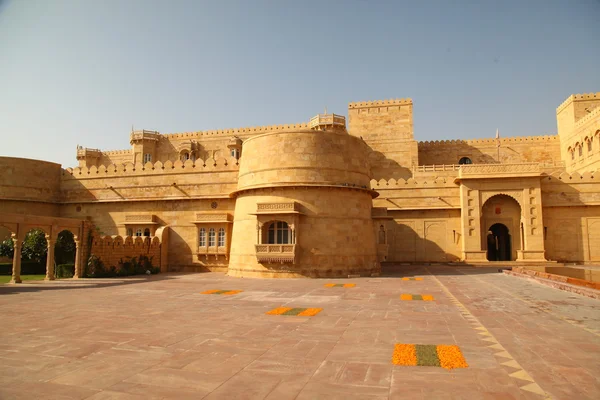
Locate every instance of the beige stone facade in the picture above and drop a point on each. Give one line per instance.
(323, 198)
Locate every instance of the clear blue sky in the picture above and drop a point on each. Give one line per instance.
(84, 71)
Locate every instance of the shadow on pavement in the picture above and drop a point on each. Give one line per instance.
(83, 283)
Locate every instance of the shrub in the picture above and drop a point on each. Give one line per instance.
(132, 266)
(65, 270)
(27, 268)
(95, 267)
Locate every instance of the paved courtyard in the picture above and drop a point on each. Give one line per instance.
(159, 338)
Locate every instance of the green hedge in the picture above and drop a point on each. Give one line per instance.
(65, 270)
(27, 268)
(132, 266)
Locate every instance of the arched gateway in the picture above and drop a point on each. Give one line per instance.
(501, 222)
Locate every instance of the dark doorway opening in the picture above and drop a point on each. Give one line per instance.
(499, 243)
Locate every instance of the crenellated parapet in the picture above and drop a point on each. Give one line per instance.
(571, 98)
(379, 103)
(112, 250)
(573, 177)
(425, 182)
(116, 152)
(490, 141)
(252, 130)
(169, 167)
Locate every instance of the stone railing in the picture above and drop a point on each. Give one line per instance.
(327, 119)
(143, 135)
(276, 207)
(437, 167)
(275, 253)
(499, 170)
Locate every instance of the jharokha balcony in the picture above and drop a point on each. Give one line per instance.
(141, 135)
(275, 253)
(324, 121)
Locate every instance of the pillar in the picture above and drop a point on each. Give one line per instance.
(50, 259)
(16, 270)
(470, 210)
(77, 272)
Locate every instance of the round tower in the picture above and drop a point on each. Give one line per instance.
(303, 205)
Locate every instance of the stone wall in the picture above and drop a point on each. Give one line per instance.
(387, 127)
(571, 208)
(29, 186)
(130, 182)
(201, 145)
(109, 218)
(113, 250)
(424, 236)
(542, 149)
(319, 181)
(334, 233)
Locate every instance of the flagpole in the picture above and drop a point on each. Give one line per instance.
(498, 144)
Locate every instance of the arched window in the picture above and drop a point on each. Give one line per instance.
(147, 158)
(138, 232)
(590, 146)
(129, 232)
(279, 233)
(221, 237)
(147, 232)
(185, 156)
(235, 153)
(465, 160)
(211, 237)
(202, 238)
(580, 151)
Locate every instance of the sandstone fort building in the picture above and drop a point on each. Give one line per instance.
(331, 197)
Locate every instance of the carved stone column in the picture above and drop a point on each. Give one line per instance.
(259, 226)
(293, 233)
(50, 259)
(16, 270)
(77, 272)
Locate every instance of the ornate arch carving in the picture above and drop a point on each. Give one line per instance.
(516, 195)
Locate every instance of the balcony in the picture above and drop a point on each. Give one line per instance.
(136, 136)
(275, 253)
(321, 122)
(83, 153)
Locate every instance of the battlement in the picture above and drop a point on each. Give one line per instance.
(489, 141)
(117, 152)
(380, 103)
(570, 178)
(253, 130)
(412, 183)
(220, 164)
(573, 97)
